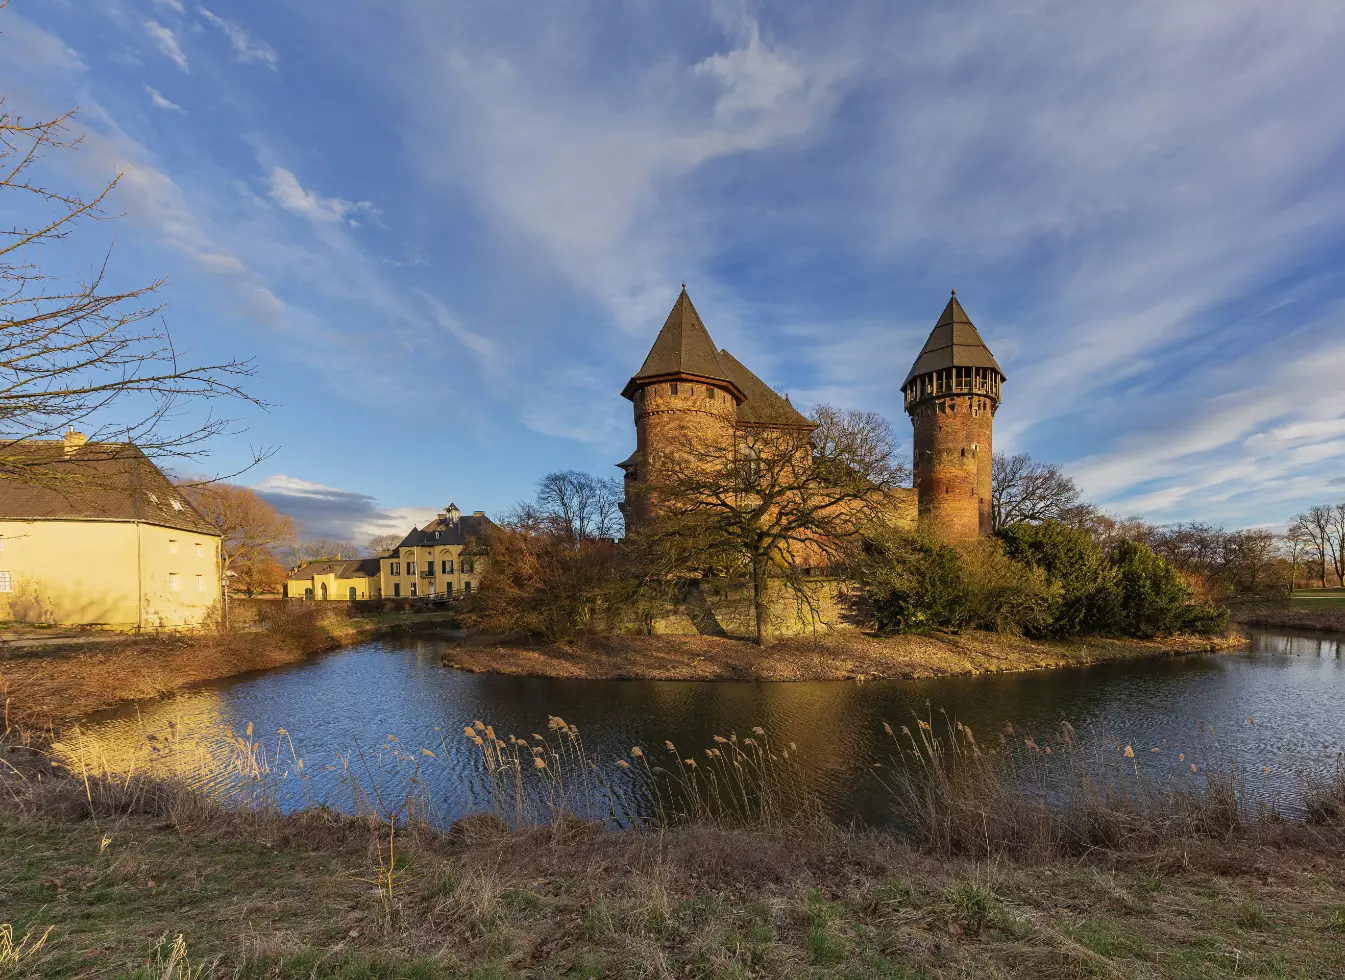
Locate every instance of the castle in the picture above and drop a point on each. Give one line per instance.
(688, 388)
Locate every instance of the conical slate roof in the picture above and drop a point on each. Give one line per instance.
(683, 347)
(953, 342)
(763, 406)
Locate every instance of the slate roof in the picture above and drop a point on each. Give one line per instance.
(340, 567)
(763, 406)
(683, 348)
(469, 529)
(102, 481)
(953, 342)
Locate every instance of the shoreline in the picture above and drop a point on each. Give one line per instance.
(51, 685)
(848, 656)
(1331, 620)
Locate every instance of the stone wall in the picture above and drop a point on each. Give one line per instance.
(719, 608)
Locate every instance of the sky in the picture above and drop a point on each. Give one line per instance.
(449, 232)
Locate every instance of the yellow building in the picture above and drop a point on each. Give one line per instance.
(358, 579)
(95, 534)
(445, 558)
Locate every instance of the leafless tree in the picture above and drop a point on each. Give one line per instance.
(252, 533)
(583, 506)
(75, 351)
(322, 549)
(1022, 489)
(773, 503)
(1336, 541)
(1314, 526)
(380, 543)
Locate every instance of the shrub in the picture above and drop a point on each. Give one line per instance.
(1089, 598)
(1155, 601)
(920, 583)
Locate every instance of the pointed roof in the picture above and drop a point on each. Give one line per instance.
(953, 342)
(683, 348)
(763, 406)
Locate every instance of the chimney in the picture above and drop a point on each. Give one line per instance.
(478, 513)
(74, 440)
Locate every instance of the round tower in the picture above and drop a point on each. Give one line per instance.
(683, 395)
(952, 393)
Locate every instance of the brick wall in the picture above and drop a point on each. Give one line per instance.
(952, 464)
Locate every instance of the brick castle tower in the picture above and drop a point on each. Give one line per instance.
(689, 391)
(952, 393)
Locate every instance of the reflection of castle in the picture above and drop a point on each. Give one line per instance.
(688, 388)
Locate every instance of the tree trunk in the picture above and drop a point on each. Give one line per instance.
(759, 596)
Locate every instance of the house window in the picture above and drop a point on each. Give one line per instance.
(200, 551)
(447, 566)
(352, 593)
(6, 582)
(172, 546)
(411, 569)
(468, 566)
(396, 568)
(413, 590)
(174, 584)
(448, 588)
(308, 593)
(200, 583)
(396, 590)
(466, 588)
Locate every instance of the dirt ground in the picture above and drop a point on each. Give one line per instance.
(839, 656)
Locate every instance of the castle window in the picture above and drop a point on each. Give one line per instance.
(672, 388)
(710, 394)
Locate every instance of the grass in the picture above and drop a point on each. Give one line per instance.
(840, 655)
(45, 686)
(1005, 861)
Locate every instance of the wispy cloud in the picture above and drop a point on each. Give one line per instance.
(166, 41)
(343, 515)
(159, 102)
(245, 46)
(287, 192)
(173, 5)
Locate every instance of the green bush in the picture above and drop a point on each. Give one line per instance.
(1154, 599)
(919, 583)
(1045, 580)
(1090, 601)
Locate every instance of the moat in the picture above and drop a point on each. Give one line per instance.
(1271, 710)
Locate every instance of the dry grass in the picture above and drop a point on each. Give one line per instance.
(984, 876)
(1291, 616)
(842, 655)
(45, 686)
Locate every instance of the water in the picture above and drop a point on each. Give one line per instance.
(358, 717)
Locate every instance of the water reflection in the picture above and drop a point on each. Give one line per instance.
(363, 717)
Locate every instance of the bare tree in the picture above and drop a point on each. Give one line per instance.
(772, 504)
(380, 543)
(322, 549)
(1315, 527)
(1298, 545)
(74, 351)
(1022, 489)
(582, 505)
(1336, 540)
(252, 533)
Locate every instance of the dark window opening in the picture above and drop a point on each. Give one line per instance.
(396, 590)
(672, 388)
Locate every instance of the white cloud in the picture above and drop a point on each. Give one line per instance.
(293, 197)
(159, 102)
(173, 5)
(167, 43)
(246, 48)
(329, 512)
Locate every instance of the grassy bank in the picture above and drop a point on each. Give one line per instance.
(48, 685)
(1304, 615)
(835, 656)
(133, 879)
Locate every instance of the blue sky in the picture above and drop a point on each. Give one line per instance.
(449, 232)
